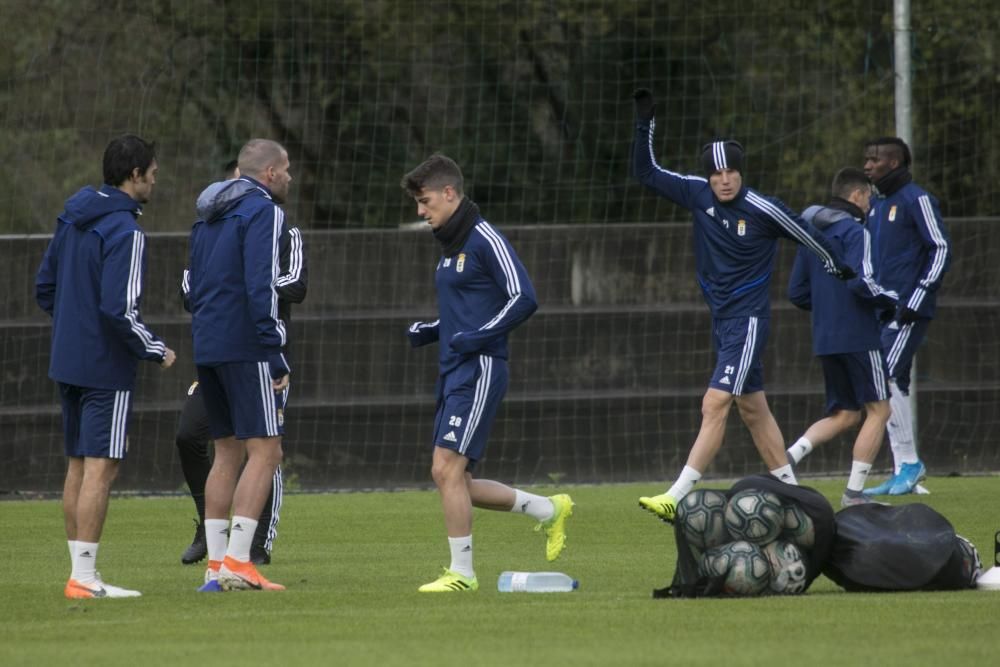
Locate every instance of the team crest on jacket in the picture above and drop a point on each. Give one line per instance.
(460, 264)
(892, 213)
(741, 227)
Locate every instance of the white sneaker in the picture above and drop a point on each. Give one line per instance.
(96, 589)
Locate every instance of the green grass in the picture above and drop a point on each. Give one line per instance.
(352, 563)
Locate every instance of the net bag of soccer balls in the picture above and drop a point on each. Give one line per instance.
(760, 537)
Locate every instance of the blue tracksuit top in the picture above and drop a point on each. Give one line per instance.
(912, 248)
(844, 315)
(734, 243)
(90, 282)
(483, 293)
(233, 272)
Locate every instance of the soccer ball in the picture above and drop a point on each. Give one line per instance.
(744, 566)
(754, 516)
(798, 527)
(788, 567)
(701, 515)
(972, 566)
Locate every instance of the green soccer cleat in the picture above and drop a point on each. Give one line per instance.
(663, 506)
(555, 526)
(450, 582)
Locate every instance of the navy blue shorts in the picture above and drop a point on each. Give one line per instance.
(899, 344)
(95, 421)
(739, 346)
(853, 379)
(467, 403)
(240, 401)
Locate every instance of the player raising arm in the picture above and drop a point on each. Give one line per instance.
(736, 231)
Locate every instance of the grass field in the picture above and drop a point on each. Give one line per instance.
(352, 563)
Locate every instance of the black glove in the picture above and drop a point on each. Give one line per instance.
(645, 108)
(887, 315)
(906, 315)
(842, 271)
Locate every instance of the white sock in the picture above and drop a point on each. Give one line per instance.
(461, 555)
(786, 474)
(85, 562)
(684, 483)
(859, 475)
(900, 428)
(800, 449)
(240, 537)
(537, 507)
(216, 538)
(72, 552)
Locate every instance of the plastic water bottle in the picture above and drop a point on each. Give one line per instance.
(536, 582)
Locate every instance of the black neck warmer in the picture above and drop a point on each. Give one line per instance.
(893, 181)
(841, 204)
(453, 233)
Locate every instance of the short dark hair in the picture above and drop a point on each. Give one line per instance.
(123, 155)
(229, 168)
(257, 155)
(898, 145)
(434, 173)
(847, 180)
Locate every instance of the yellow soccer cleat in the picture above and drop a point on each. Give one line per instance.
(663, 506)
(555, 526)
(450, 582)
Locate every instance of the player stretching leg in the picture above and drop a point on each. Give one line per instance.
(483, 293)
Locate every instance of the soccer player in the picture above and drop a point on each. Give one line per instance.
(483, 293)
(845, 330)
(238, 339)
(192, 436)
(912, 253)
(90, 281)
(736, 231)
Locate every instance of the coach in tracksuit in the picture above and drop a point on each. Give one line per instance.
(736, 231)
(483, 293)
(192, 436)
(845, 329)
(242, 372)
(90, 282)
(912, 253)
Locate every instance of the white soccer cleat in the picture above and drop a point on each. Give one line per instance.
(96, 589)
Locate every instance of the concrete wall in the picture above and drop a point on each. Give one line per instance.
(606, 378)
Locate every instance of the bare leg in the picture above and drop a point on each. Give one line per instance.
(763, 428)
(71, 494)
(263, 457)
(448, 471)
(831, 426)
(869, 440)
(221, 483)
(92, 502)
(490, 495)
(714, 412)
